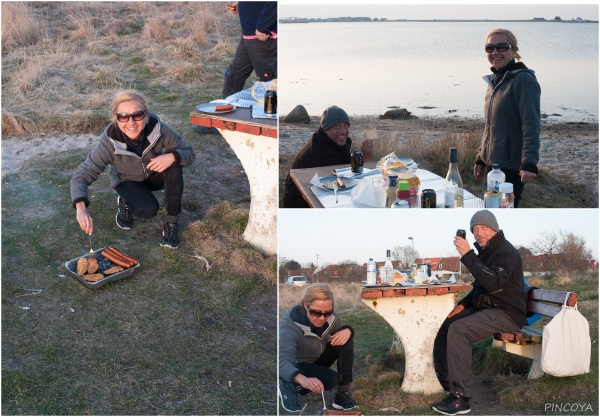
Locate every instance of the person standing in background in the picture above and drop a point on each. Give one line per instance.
(257, 49)
(512, 115)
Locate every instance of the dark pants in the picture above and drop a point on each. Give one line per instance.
(140, 200)
(452, 349)
(514, 178)
(320, 369)
(251, 54)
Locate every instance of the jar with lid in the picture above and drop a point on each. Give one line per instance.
(508, 197)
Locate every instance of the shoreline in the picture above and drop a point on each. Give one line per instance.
(569, 149)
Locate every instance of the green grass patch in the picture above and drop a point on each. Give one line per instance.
(164, 341)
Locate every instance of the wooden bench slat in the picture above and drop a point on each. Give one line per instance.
(544, 309)
(550, 296)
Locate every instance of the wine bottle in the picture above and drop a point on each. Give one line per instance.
(453, 185)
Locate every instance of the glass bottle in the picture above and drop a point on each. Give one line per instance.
(453, 185)
(388, 269)
(391, 190)
(495, 177)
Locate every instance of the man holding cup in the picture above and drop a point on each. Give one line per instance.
(495, 304)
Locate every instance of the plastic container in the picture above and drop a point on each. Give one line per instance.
(508, 197)
(495, 177)
(371, 272)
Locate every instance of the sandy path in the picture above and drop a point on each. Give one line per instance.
(16, 151)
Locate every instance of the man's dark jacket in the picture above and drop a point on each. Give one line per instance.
(319, 151)
(498, 273)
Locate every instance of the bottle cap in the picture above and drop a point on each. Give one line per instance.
(388, 253)
(506, 187)
(496, 166)
(453, 155)
(403, 185)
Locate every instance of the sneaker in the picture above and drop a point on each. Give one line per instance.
(124, 216)
(452, 406)
(170, 236)
(289, 397)
(343, 401)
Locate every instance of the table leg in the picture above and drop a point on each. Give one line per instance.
(258, 155)
(416, 319)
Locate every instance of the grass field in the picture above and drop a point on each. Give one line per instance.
(168, 339)
(500, 378)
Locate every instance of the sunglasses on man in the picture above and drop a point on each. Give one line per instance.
(500, 47)
(136, 116)
(316, 314)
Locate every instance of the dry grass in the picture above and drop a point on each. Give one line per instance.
(218, 238)
(65, 60)
(20, 26)
(346, 296)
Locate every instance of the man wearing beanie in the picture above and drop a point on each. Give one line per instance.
(495, 304)
(329, 145)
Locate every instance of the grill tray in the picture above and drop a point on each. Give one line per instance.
(104, 265)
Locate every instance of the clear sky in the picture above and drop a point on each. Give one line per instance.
(402, 10)
(338, 235)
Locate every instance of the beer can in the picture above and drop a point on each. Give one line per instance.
(400, 204)
(462, 233)
(270, 102)
(428, 199)
(492, 199)
(356, 161)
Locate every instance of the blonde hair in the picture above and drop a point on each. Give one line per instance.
(512, 39)
(124, 96)
(314, 292)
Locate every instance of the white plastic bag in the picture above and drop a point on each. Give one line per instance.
(566, 344)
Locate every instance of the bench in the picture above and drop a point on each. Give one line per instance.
(527, 342)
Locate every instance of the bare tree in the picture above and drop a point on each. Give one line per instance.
(405, 255)
(565, 250)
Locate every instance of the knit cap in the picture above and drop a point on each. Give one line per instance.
(486, 218)
(332, 116)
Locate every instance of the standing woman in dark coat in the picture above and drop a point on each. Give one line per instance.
(512, 115)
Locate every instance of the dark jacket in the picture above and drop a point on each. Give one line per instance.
(319, 151)
(125, 164)
(298, 342)
(498, 272)
(257, 15)
(512, 120)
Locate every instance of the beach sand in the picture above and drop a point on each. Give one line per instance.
(569, 149)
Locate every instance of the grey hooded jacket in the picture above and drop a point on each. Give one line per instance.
(512, 122)
(126, 165)
(298, 344)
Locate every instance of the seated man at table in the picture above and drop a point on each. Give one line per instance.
(329, 145)
(495, 304)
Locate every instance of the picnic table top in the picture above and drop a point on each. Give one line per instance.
(421, 290)
(240, 120)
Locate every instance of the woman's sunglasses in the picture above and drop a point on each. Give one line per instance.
(136, 116)
(317, 314)
(500, 47)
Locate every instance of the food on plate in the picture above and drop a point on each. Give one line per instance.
(113, 270)
(93, 277)
(92, 265)
(425, 281)
(371, 134)
(224, 107)
(340, 182)
(82, 266)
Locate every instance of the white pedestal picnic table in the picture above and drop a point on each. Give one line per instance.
(254, 142)
(416, 314)
(319, 198)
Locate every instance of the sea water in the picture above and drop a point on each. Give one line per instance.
(431, 68)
